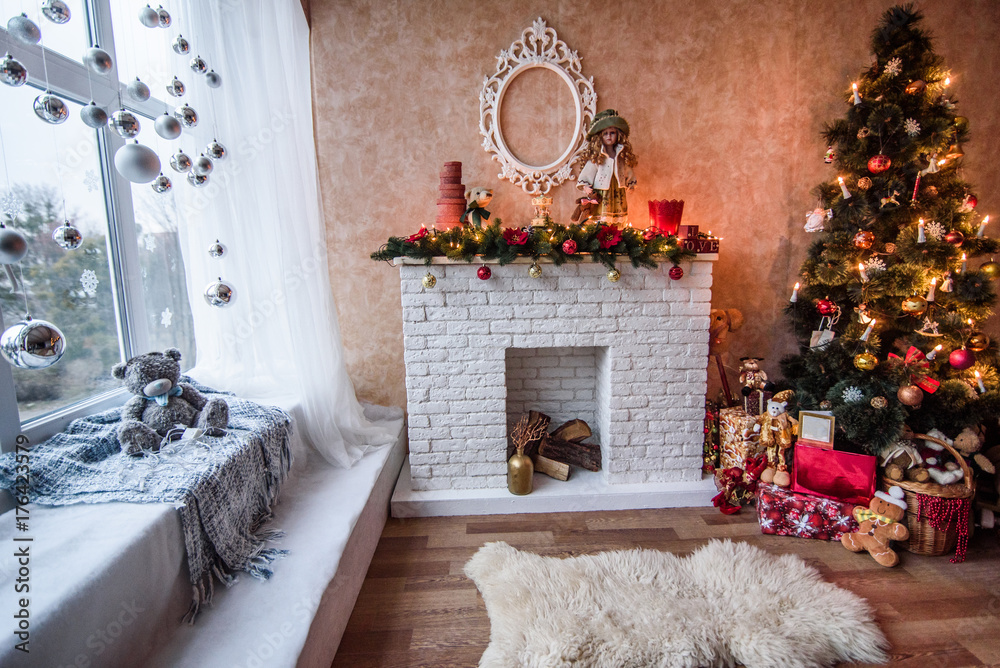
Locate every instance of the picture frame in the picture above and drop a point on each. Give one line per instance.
(816, 428)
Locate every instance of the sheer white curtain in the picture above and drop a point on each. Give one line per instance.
(280, 336)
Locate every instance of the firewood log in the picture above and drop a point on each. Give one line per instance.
(574, 430)
(551, 468)
(584, 455)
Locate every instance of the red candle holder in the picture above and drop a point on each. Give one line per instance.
(665, 215)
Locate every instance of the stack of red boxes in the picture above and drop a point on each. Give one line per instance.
(451, 204)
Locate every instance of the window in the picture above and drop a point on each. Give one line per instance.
(122, 292)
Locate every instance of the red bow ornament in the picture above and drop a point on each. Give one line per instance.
(917, 365)
(413, 238)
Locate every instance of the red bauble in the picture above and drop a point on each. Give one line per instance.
(864, 239)
(879, 163)
(675, 273)
(910, 395)
(962, 358)
(484, 273)
(972, 201)
(955, 238)
(569, 247)
(826, 307)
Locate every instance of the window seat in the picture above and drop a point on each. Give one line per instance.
(109, 582)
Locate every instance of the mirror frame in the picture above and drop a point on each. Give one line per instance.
(538, 47)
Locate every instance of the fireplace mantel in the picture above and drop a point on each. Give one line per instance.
(641, 348)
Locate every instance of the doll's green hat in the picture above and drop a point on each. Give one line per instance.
(608, 118)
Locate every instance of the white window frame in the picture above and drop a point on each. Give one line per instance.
(68, 79)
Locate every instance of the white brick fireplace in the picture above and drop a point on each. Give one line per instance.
(629, 357)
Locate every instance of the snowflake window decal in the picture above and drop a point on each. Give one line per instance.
(12, 206)
(91, 181)
(89, 282)
(166, 318)
(538, 47)
(149, 241)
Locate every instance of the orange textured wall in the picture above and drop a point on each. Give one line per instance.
(726, 99)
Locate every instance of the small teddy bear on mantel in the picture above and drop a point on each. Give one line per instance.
(162, 403)
(878, 524)
(475, 211)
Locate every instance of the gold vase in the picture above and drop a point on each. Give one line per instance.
(519, 472)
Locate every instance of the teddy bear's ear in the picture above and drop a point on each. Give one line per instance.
(118, 370)
(735, 319)
(172, 353)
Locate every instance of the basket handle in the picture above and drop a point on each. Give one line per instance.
(967, 472)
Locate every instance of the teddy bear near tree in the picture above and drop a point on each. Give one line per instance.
(878, 524)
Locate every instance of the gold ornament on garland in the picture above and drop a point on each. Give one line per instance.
(429, 280)
(990, 270)
(890, 248)
(614, 275)
(864, 239)
(879, 403)
(916, 87)
(978, 342)
(534, 270)
(862, 133)
(864, 183)
(910, 395)
(914, 305)
(865, 361)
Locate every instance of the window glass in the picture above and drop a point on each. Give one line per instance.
(51, 174)
(70, 39)
(147, 53)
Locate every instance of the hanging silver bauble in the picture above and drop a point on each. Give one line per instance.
(186, 115)
(175, 88)
(67, 237)
(93, 116)
(181, 45)
(164, 17)
(50, 108)
(125, 123)
(220, 294)
(218, 249)
(148, 17)
(180, 161)
(213, 79)
(197, 180)
(167, 126)
(12, 72)
(162, 184)
(137, 163)
(202, 165)
(56, 11)
(198, 65)
(24, 29)
(138, 91)
(216, 151)
(32, 344)
(98, 60)
(13, 246)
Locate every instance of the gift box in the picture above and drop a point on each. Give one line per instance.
(832, 474)
(755, 403)
(735, 447)
(782, 512)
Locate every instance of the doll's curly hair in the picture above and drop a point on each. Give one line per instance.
(593, 152)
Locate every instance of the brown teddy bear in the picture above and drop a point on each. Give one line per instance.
(878, 524)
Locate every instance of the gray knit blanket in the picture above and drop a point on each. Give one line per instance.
(223, 486)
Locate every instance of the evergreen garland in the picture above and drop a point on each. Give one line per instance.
(907, 117)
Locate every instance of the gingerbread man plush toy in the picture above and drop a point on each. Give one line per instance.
(879, 523)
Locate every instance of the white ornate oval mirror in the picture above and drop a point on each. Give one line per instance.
(539, 47)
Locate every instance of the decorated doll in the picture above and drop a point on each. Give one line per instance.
(608, 167)
(776, 429)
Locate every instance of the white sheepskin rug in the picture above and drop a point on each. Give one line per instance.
(726, 604)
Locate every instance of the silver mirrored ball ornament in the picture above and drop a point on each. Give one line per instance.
(67, 237)
(138, 91)
(13, 246)
(186, 115)
(162, 184)
(216, 151)
(180, 161)
(218, 249)
(164, 17)
(213, 79)
(198, 65)
(50, 108)
(137, 163)
(181, 45)
(148, 17)
(56, 11)
(197, 180)
(98, 60)
(12, 72)
(93, 116)
(202, 165)
(220, 294)
(23, 29)
(167, 126)
(125, 123)
(175, 88)
(32, 344)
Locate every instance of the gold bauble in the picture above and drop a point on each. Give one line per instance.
(978, 342)
(864, 183)
(865, 361)
(879, 403)
(614, 275)
(520, 470)
(914, 305)
(864, 239)
(535, 271)
(916, 87)
(991, 270)
(429, 280)
(910, 395)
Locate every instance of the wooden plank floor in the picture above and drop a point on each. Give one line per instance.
(416, 608)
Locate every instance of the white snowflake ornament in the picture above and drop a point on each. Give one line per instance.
(166, 317)
(853, 395)
(874, 265)
(893, 67)
(935, 230)
(911, 127)
(89, 282)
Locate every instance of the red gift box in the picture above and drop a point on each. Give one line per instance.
(782, 512)
(833, 474)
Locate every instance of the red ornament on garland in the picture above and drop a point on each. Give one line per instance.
(826, 307)
(569, 247)
(864, 239)
(961, 358)
(955, 238)
(971, 202)
(879, 163)
(675, 273)
(484, 273)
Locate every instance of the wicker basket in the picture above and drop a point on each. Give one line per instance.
(925, 539)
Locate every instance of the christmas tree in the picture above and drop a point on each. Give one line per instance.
(897, 274)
